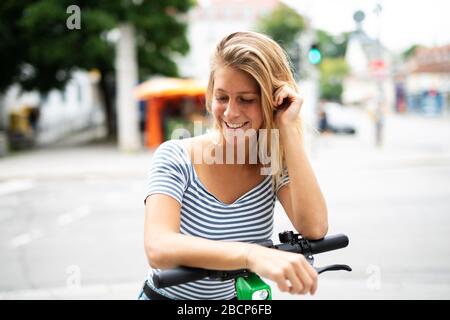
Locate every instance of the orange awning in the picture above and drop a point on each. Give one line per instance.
(166, 87)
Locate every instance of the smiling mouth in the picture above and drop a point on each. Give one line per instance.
(235, 126)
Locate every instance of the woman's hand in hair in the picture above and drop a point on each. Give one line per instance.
(288, 103)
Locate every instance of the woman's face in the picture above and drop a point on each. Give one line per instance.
(236, 102)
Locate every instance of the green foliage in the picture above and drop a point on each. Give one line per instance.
(410, 51)
(333, 67)
(283, 24)
(332, 73)
(332, 46)
(38, 51)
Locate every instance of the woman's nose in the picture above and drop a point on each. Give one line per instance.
(232, 111)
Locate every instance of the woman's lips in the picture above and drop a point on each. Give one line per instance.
(235, 126)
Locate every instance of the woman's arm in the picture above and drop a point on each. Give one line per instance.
(165, 248)
(302, 198)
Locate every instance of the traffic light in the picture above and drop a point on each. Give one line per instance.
(314, 54)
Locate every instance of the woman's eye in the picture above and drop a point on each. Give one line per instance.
(247, 101)
(221, 99)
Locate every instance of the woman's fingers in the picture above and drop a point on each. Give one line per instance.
(296, 284)
(314, 275)
(309, 277)
(300, 275)
(280, 279)
(283, 93)
(291, 272)
(280, 94)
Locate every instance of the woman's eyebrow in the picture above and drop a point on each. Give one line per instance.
(240, 92)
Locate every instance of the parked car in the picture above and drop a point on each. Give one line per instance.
(334, 118)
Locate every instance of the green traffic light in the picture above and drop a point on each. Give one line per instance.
(314, 56)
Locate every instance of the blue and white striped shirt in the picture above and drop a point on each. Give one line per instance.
(248, 219)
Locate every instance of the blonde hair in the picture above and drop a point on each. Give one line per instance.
(264, 60)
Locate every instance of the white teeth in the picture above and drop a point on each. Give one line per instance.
(235, 126)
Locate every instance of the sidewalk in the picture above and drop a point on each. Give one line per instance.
(401, 145)
(408, 140)
(79, 161)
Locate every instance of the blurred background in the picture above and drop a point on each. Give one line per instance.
(89, 89)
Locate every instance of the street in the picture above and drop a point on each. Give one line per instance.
(71, 219)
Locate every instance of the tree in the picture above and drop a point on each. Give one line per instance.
(333, 67)
(284, 25)
(332, 72)
(410, 51)
(333, 46)
(39, 50)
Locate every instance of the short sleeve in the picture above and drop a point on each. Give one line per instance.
(168, 173)
(283, 180)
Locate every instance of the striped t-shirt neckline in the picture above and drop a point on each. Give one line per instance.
(202, 185)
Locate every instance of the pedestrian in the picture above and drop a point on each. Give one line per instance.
(323, 122)
(210, 197)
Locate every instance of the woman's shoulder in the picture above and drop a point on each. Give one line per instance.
(169, 153)
(170, 147)
(181, 149)
(193, 143)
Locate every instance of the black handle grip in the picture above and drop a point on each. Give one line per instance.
(172, 277)
(180, 275)
(329, 243)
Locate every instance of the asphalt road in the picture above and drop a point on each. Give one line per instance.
(71, 218)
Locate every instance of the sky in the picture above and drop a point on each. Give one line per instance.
(402, 22)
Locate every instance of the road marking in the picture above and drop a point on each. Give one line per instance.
(14, 186)
(25, 238)
(65, 219)
(74, 215)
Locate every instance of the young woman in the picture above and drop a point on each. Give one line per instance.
(207, 202)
